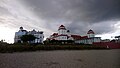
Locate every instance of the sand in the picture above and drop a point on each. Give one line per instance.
(62, 59)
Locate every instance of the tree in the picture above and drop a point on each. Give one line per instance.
(2, 42)
(26, 38)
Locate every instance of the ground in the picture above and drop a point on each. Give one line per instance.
(62, 59)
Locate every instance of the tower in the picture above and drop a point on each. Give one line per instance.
(90, 33)
(68, 33)
(62, 30)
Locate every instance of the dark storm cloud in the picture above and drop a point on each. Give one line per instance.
(82, 14)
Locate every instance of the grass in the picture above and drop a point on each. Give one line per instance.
(26, 47)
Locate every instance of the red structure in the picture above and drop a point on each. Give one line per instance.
(112, 45)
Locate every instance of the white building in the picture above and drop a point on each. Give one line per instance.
(64, 34)
(38, 34)
(89, 39)
(18, 34)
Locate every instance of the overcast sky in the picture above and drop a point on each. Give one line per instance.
(102, 16)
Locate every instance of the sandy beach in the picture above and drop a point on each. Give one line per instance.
(62, 59)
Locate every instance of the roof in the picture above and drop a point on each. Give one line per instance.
(54, 34)
(90, 32)
(40, 32)
(50, 39)
(62, 35)
(117, 36)
(76, 37)
(21, 28)
(84, 37)
(24, 30)
(68, 31)
(62, 27)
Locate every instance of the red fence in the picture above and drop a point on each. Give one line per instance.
(112, 45)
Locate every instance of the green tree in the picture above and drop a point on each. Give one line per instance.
(26, 38)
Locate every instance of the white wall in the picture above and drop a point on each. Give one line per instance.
(39, 38)
(62, 38)
(62, 31)
(91, 35)
(18, 35)
(89, 40)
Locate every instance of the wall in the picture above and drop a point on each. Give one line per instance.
(112, 45)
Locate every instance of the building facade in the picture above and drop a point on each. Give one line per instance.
(38, 34)
(89, 39)
(64, 34)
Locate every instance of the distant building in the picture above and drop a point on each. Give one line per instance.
(64, 34)
(105, 40)
(89, 39)
(117, 38)
(18, 34)
(38, 34)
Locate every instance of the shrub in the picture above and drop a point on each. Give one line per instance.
(22, 48)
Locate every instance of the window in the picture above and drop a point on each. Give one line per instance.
(65, 37)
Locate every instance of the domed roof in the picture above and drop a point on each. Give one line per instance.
(21, 28)
(90, 32)
(55, 34)
(68, 30)
(62, 27)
